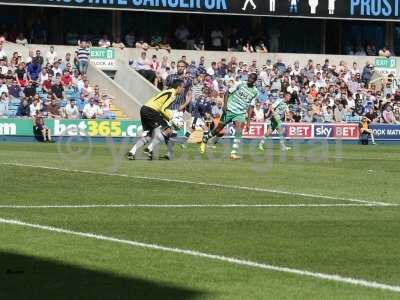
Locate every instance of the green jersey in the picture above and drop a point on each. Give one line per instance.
(241, 97)
(280, 108)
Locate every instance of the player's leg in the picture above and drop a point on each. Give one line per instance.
(160, 135)
(239, 125)
(225, 119)
(143, 140)
(270, 129)
(372, 136)
(148, 123)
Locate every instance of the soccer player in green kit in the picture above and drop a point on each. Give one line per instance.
(238, 105)
(277, 111)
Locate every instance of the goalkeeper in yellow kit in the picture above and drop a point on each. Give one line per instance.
(154, 116)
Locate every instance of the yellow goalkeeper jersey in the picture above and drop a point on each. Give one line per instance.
(162, 101)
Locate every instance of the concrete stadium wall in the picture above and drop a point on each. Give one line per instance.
(122, 98)
(134, 83)
(133, 53)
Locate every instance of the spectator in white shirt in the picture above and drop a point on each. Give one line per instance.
(21, 39)
(3, 87)
(3, 53)
(71, 110)
(91, 110)
(51, 56)
(35, 106)
(43, 76)
(104, 42)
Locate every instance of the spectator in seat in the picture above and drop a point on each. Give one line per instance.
(48, 83)
(21, 39)
(30, 90)
(216, 39)
(182, 34)
(14, 89)
(33, 70)
(261, 48)
(72, 111)
(66, 79)
(39, 58)
(385, 52)
(23, 109)
(118, 43)
(130, 39)
(91, 110)
(57, 89)
(143, 67)
(3, 86)
(104, 42)
(258, 113)
(43, 76)
(104, 104)
(35, 106)
(4, 105)
(51, 56)
(3, 54)
(247, 47)
(388, 115)
(53, 110)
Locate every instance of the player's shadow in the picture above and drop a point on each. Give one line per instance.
(25, 277)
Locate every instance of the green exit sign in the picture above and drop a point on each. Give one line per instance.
(102, 53)
(387, 63)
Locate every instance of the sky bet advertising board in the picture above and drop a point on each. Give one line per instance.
(388, 10)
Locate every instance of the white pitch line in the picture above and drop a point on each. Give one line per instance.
(296, 205)
(217, 185)
(231, 260)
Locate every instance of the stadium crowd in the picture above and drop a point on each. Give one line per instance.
(316, 92)
(49, 85)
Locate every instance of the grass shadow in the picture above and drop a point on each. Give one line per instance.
(26, 277)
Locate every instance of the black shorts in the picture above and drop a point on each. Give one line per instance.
(151, 119)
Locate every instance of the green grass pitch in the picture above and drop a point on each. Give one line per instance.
(322, 211)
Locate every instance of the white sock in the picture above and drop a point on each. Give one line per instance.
(139, 144)
(156, 139)
(170, 147)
